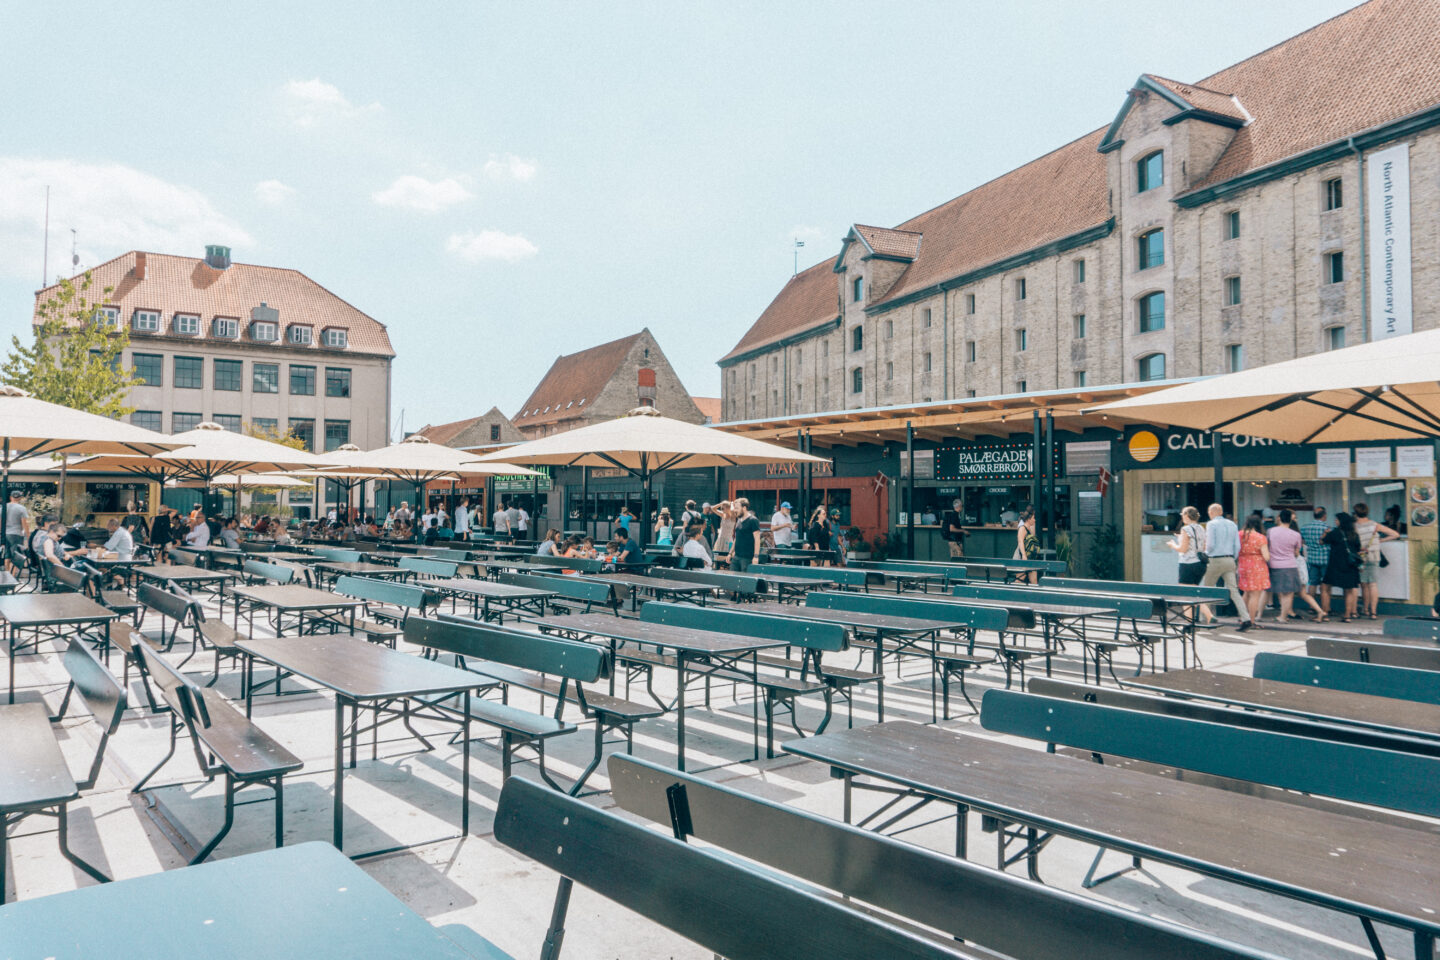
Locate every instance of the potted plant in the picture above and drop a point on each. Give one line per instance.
(880, 549)
(1064, 550)
(856, 547)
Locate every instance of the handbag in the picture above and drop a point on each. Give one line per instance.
(1302, 573)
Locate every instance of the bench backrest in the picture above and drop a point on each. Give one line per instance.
(974, 617)
(990, 908)
(739, 583)
(163, 602)
(811, 634)
(337, 554)
(454, 556)
(1058, 567)
(844, 576)
(583, 564)
(383, 591)
(69, 578)
(1133, 699)
(732, 909)
(572, 588)
(472, 639)
(189, 558)
(264, 570)
(1126, 607)
(1414, 656)
(176, 689)
(950, 571)
(1135, 589)
(103, 695)
(1401, 683)
(1359, 774)
(1423, 628)
(429, 566)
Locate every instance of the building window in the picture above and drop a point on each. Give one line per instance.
(264, 331)
(889, 329)
(1334, 194)
(1022, 385)
(1079, 271)
(925, 318)
(775, 399)
(335, 338)
(1078, 326)
(1152, 312)
(1079, 378)
(226, 327)
(267, 425)
(927, 363)
(305, 431)
(969, 393)
(146, 321)
(825, 386)
(190, 373)
(1151, 367)
(857, 289)
(857, 380)
(494, 432)
(970, 304)
(107, 316)
(824, 348)
(1232, 225)
(799, 392)
(857, 339)
(300, 335)
(1022, 340)
(229, 374)
(1232, 291)
(337, 381)
(149, 367)
(181, 422)
(187, 325)
(1234, 357)
(229, 421)
(147, 420)
(1150, 249)
(889, 371)
(1334, 338)
(1019, 288)
(265, 378)
(1150, 171)
(302, 381)
(969, 351)
(1335, 267)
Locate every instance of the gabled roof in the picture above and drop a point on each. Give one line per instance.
(809, 299)
(1203, 99)
(884, 242)
(174, 284)
(574, 381)
(709, 408)
(457, 432)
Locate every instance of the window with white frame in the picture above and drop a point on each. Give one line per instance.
(300, 334)
(1334, 338)
(226, 327)
(336, 338)
(107, 316)
(265, 331)
(1234, 357)
(970, 304)
(146, 321)
(1232, 291)
(186, 324)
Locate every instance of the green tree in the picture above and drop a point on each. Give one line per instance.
(74, 359)
(286, 439)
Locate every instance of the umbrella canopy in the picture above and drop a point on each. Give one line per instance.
(643, 441)
(30, 427)
(210, 450)
(417, 460)
(250, 481)
(1384, 390)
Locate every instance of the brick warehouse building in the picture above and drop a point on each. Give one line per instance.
(1208, 227)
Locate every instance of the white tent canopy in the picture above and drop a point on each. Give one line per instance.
(1383, 390)
(418, 460)
(30, 427)
(210, 450)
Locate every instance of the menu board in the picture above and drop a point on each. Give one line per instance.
(1417, 461)
(1090, 512)
(1332, 463)
(1372, 461)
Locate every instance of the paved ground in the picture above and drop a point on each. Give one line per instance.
(409, 795)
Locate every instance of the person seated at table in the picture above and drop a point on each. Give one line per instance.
(120, 542)
(612, 550)
(694, 548)
(46, 542)
(547, 547)
(587, 549)
(230, 534)
(73, 541)
(625, 549)
(282, 536)
(199, 535)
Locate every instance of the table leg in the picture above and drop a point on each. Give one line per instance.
(755, 703)
(338, 814)
(248, 682)
(680, 709)
(465, 769)
(10, 632)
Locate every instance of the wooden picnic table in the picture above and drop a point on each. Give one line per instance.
(184, 576)
(656, 587)
(483, 594)
(701, 652)
(295, 600)
(47, 614)
(340, 568)
(1370, 869)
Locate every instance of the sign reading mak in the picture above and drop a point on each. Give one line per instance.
(776, 469)
(1387, 180)
(985, 461)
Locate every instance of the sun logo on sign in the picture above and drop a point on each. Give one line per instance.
(1144, 446)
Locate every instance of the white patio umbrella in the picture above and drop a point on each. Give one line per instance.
(417, 460)
(249, 481)
(1383, 390)
(643, 443)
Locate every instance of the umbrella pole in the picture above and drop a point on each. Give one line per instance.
(534, 507)
(644, 503)
(5, 499)
(1218, 464)
(585, 501)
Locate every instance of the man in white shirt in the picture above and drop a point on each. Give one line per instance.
(403, 514)
(500, 522)
(462, 519)
(120, 542)
(522, 526)
(199, 535)
(782, 528)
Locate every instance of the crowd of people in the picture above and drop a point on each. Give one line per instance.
(1286, 560)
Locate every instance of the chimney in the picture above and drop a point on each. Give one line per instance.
(217, 256)
(139, 270)
(647, 387)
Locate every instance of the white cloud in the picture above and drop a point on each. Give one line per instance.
(311, 101)
(510, 167)
(273, 192)
(490, 245)
(417, 193)
(113, 208)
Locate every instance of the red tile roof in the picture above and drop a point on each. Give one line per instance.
(459, 431)
(890, 243)
(189, 285)
(1211, 101)
(572, 382)
(709, 407)
(810, 298)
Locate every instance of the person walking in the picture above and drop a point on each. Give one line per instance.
(1027, 543)
(162, 534)
(1371, 535)
(1287, 563)
(747, 538)
(1317, 554)
(522, 523)
(664, 529)
(1252, 566)
(17, 530)
(1342, 569)
(725, 531)
(951, 529)
(1189, 542)
(782, 527)
(1222, 548)
(500, 522)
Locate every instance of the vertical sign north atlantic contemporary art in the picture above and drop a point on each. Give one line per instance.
(1387, 181)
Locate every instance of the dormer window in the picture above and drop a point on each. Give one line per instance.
(107, 316)
(1150, 171)
(300, 335)
(225, 327)
(264, 331)
(335, 337)
(186, 325)
(145, 321)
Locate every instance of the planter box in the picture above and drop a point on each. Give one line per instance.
(858, 555)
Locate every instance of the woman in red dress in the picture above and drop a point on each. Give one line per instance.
(1253, 567)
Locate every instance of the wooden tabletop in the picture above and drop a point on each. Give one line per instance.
(868, 622)
(298, 902)
(1310, 853)
(43, 609)
(488, 588)
(32, 768)
(656, 634)
(283, 556)
(290, 596)
(179, 573)
(1384, 713)
(359, 569)
(643, 582)
(358, 669)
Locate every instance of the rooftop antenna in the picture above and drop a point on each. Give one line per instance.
(798, 244)
(45, 257)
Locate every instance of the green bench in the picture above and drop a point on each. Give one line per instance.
(429, 567)
(580, 564)
(263, 571)
(388, 605)
(1415, 656)
(338, 554)
(900, 570)
(1418, 628)
(1162, 596)
(814, 639)
(741, 586)
(840, 576)
(1401, 683)
(575, 590)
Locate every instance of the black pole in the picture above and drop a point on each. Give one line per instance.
(534, 506)
(5, 509)
(1050, 518)
(1218, 462)
(644, 501)
(1035, 454)
(910, 491)
(585, 502)
(802, 496)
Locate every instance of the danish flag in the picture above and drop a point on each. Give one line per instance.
(1103, 484)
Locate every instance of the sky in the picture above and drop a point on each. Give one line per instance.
(500, 184)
